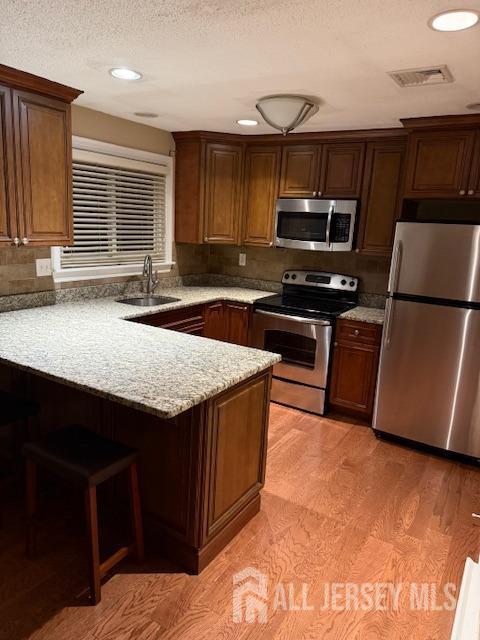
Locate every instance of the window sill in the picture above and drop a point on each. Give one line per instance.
(101, 273)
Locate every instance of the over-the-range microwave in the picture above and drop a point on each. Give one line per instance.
(316, 225)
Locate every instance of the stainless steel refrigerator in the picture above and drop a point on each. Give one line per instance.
(428, 387)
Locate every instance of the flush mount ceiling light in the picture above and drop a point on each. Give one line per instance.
(122, 73)
(247, 123)
(454, 20)
(286, 112)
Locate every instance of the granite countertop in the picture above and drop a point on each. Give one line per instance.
(88, 345)
(365, 314)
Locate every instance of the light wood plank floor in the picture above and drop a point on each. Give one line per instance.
(339, 506)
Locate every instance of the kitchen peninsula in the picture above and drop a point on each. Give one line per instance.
(196, 410)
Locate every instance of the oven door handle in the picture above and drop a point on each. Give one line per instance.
(284, 316)
(331, 211)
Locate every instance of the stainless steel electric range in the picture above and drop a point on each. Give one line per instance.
(298, 324)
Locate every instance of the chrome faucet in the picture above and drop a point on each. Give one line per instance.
(148, 273)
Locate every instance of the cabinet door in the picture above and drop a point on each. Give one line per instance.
(341, 172)
(43, 142)
(223, 174)
(353, 377)
(474, 184)
(381, 196)
(215, 321)
(8, 214)
(299, 174)
(238, 323)
(438, 164)
(262, 169)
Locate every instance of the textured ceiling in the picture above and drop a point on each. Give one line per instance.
(206, 62)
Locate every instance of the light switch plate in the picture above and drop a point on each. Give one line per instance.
(242, 259)
(43, 267)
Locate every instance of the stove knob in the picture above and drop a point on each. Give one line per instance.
(294, 276)
(287, 276)
(352, 283)
(343, 282)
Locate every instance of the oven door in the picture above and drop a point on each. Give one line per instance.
(317, 225)
(303, 343)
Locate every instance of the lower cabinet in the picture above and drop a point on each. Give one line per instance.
(354, 368)
(221, 320)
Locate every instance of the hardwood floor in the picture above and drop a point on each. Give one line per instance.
(339, 506)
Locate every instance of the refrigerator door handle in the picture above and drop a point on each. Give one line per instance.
(389, 322)
(395, 270)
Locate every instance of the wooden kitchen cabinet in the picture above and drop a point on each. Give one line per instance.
(354, 367)
(237, 318)
(439, 163)
(186, 320)
(223, 191)
(214, 316)
(8, 212)
(341, 170)
(474, 181)
(36, 160)
(381, 197)
(299, 174)
(262, 174)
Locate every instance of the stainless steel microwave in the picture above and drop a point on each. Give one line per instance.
(316, 225)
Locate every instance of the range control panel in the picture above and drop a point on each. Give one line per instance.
(321, 279)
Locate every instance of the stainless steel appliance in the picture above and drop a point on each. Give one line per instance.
(316, 225)
(298, 325)
(428, 387)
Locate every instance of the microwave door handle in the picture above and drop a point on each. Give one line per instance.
(331, 211)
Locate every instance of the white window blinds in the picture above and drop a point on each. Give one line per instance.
(119, 212)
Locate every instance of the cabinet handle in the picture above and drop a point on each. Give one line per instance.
(471, 192)
(462, 192)
(24, 240)
(16, 241)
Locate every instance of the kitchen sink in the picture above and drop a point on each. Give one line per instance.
(148, 301)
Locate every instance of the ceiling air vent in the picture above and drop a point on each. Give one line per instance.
(422, 77)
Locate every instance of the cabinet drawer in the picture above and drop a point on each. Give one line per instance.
(358, 332)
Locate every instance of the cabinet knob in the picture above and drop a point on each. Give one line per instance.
(314, 193)
(462, 192)
(24, 240)
(205, 239)
(319, 193)
(471, 192)
(335, 344)
(356, 332)
(16, 241)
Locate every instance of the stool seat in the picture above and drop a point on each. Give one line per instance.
(13, 408)
(80, 456)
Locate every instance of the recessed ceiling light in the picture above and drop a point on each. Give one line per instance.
(122, 73)
(146, 114)
(247, 123)
(454, 20)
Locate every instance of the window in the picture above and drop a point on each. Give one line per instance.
(122, 204)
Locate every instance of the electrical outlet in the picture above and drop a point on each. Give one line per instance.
(242, 259)
(43, 266)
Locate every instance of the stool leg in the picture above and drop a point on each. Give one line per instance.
(136, 512)
(93, 546)
(31, 491)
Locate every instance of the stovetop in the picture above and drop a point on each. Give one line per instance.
(312, 295)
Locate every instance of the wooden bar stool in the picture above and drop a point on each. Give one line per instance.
(85, 459)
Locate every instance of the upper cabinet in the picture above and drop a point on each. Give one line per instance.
(208, 189)
(341, 170)
(381, 196)
(443, 159)
(329, 170)
(300, 165)
(223, 191)
(262, 173)
(35, 160)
